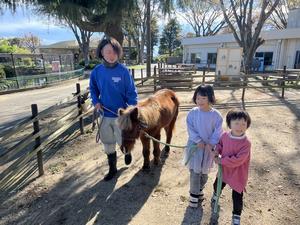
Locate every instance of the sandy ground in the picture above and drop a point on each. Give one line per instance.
(72, 191)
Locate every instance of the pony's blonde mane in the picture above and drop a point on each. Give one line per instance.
(124, 121)
(148, 113)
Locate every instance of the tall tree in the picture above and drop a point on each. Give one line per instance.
(170, 39)
(247, 34)
(205, 17)
(31, 42)
(154, 34)
(94, 15)
(278, 19)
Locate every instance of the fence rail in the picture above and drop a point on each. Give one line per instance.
(35, 143)
(21, 82)
(20, 154)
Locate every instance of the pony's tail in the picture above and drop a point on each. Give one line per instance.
(176, 102)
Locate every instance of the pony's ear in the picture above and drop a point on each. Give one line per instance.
(120, 112)
(134, 114)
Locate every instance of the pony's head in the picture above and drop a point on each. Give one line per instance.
(131, 126)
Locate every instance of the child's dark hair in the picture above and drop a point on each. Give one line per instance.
(113, 42)
(205, 90)
(237, 114)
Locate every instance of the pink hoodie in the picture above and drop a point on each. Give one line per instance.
(235, 160)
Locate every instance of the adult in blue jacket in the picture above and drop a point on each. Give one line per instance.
(112, 87)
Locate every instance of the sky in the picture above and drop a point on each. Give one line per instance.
(25, 21)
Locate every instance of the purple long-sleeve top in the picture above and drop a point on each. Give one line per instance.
(206, 127)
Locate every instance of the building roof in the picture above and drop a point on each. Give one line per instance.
(291, 33)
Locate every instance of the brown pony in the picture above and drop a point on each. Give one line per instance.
(150, 115)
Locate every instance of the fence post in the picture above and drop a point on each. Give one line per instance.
(81, 123)
(142, 77)
(132, 72)
(244, 88)
(14, 66)
(154, 78)
(203, 76)
(283, 81)
(43, 61)
(36, 129)
(60, 64)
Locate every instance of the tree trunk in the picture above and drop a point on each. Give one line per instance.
(148, 39)
(129, 48)
(142, 47)
(85, 52)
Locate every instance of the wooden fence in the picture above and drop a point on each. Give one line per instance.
(16, 158)
(186, 79)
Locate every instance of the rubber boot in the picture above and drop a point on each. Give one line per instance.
(112, 162)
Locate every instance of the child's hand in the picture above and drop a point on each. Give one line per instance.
(201, 145)
(208, 147)
(99, 107)
(217, 159)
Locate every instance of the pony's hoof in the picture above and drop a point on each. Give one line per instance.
(166, 151)
(146, 168)
(156, 162)
(128, 159)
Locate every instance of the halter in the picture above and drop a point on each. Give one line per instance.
(140, 127)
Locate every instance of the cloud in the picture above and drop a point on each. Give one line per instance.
(26, 25)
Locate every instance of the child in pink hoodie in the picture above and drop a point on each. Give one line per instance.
(233, 153)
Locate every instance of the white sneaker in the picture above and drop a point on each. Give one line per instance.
(236, 219)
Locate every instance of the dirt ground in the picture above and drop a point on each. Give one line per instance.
(72, 191)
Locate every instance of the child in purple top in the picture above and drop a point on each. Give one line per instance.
(233, 153)
(204, 125)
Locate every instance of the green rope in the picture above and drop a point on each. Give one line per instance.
(192, 147)
(219, 187)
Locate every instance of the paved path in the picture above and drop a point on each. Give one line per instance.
(16, 106)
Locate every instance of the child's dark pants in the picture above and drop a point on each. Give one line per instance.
(237, 198)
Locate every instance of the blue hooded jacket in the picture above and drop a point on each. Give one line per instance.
(113, 88)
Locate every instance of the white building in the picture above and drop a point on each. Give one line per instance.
(281, 47)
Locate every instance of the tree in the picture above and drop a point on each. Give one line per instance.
(6, 47)
(135, 26)
(278, 19)
(93, 16)
(30, 42)
(154, 34)
(205, 17)
(247, 34)
(170, 39)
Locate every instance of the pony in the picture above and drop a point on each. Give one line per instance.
(149, 115)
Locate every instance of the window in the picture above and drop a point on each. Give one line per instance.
(212, 58)
(297, 60)
(259, 54)
(195, 58)
(268, 58)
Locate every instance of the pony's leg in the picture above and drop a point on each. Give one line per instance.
(156, 150)
(146, 152)
(169, 134)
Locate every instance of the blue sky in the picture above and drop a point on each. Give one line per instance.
(24, 21)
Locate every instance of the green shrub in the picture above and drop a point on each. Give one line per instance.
(9, 71)
(2, 72)
(27, 61)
